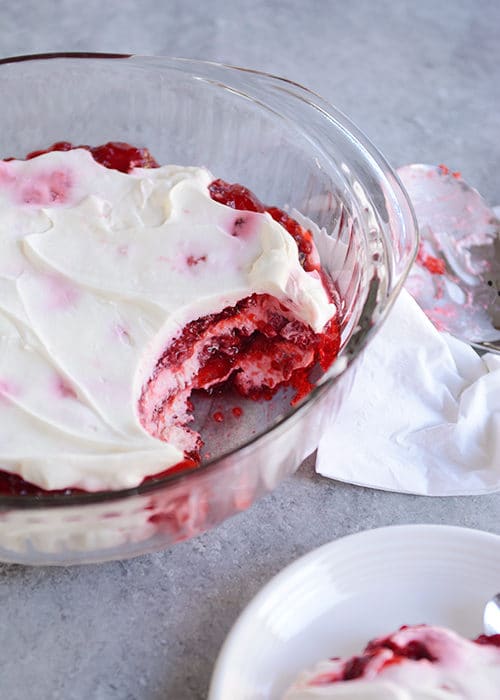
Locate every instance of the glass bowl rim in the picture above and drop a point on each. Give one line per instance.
(149, 487)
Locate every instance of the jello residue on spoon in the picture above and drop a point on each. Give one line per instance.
(456, 278)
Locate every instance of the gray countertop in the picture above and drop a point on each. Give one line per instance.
(421, 80)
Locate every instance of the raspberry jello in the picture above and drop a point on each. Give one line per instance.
(124, 287)
(416, 663)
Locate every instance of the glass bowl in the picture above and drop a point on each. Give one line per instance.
(292, 149)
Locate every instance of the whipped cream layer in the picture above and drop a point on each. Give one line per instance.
(99, 271)
(460, 670)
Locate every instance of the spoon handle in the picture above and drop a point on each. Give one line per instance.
(487, 346)
(491, 618)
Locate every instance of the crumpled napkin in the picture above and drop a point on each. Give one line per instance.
(423, 416)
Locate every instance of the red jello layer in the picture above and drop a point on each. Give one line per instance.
(14, 485)
(256, 346)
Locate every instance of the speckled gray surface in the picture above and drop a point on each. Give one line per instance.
(420, 78)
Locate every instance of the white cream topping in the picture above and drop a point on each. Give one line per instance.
(463, 670)
(99, 270)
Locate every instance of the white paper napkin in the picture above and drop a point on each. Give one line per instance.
(423, 416)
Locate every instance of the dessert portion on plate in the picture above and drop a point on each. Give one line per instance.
(415, 663)
(124, 287)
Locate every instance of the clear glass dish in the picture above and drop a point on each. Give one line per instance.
(292, 149)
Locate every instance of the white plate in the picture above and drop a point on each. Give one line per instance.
(336, 598)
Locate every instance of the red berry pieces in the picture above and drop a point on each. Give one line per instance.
(235, 196)
(115, 155)
(355, 667)
(491, 639)
(301, 236)
(123, 157)
(58, 146)
(192, 261)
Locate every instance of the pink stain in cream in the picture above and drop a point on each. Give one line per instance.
(40, 189)
(244, 224)
(63, 390)
(8, 389)
(7, 178)
(45, 189)
(61, 294)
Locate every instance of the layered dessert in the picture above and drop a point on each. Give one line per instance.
(415, 663)
(124, 288)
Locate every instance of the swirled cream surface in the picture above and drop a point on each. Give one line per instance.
(444, 667)
(99, 270)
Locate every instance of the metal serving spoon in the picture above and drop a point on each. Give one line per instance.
(456, 276)
(491, 616)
